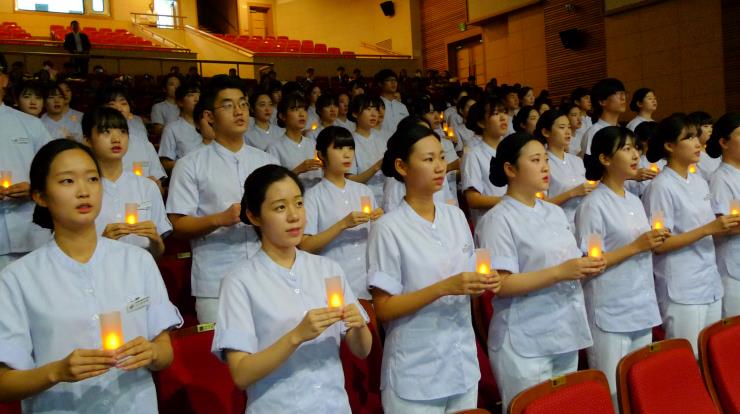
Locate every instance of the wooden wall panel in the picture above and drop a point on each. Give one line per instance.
(731, 47)
(439, 19)
(569, 69)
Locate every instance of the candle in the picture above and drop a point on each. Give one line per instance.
(482, 261)
(654, 167)
(540, 195)
(366, 204)
(442, 116)
(657, 221)
(594, 245)
(450, 133)
(692, 168)
(334, 293)
(735, 207)
(591, 182)
(445, 128)
(6, 178)
(111, 330)
(314, 126)
(139, 168)
(131, 213)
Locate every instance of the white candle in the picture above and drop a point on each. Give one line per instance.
(111, 330)
(657, 221)
(482, 261)
(131, 213)
(334, 292)
(735, 207)
(6, 178)
(366, 204)
(138, 168)
(595, 248)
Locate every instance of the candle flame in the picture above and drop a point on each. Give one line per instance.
(6, 183)
(335, 300)
(595, 252)
(539, 195)
(131, 219)
(658, 225)
(450, 133)
(138, 171)
(314, 126)
(111, 342)
(366, 209)
(692, 168)
(483, 269)
(734, 212)
(591, 182)
(654, 167)
(444, 128)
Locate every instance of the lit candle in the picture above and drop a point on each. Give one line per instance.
(366, 205)
(450, 133)
(445, 128)
(657, 221)
(735, 207)
(139, 168)
(654, 167)
(540, 195)
(482, 261)
(111, 330)
(591, 182)
(594, 245)
(442, 116)
(131, 213)
(334, 292)
(692, 168)
(314, 126)
(6, 178)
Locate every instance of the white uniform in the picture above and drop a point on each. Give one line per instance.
(292, 155)
(394, 192)
(261, 138)
(325, 205)
(395, 111)
(349, 125)
(687, 281)
(164, 112)
(368, 151)
(141, 150)
(260, 302)
(49, 306)
(64, 128)
(564, 175)
(725, 187)
(631, 125)
(638, 187)
(588, 137)
(130, 188)
(476, 167)
(707, 166)
(178, 139)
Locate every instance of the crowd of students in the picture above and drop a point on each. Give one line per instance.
(282, 188)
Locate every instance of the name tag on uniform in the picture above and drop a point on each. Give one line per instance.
(145, 205)
(21, 140)
(137, 303)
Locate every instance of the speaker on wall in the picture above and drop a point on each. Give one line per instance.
(389, 9)
(573, 39)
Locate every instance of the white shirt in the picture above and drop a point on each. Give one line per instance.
(208, 181)
(394, 192)
(325, 205)
(349, 125)
(178, 139)
(395, 111)
(589, 136)
(261, 138)
(368, 151)
(450, 156)
(130, 188)
(21, 136)
(622, 299)
(576, 141)
(564, 175)
(292, 154)
(261, 301)
(64, 128)
(631, 125)
(707, 166)
(467, 137)
(431, 353)
(725, 187)
(164, 112)
(49, 306)
(688, 275)
(524, 239)
(476, 168)
(638, 187)
(141, 150)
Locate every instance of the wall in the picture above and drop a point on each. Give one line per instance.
(514, 47)
(439, 19)
(731, 55)
(673, 47)
(345, 23)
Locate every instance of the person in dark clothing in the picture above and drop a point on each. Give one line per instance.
(77, 43)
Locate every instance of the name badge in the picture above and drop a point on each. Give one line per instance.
(145, 205)
(21, 140)
(137, 303)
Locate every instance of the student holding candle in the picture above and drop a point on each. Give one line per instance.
(643, 103)
(343, 112)
(420, 274)
(369, 144)
(706, 165)
(21, 135)
(336, 226)
(609, 98)
(621, 304)
(489, 120)
(106, 132)
(181, 137)
(647, 170)
(540, 320)
(277, 326)
(204, 194)
(263, 132)
(293, 150)
(51, 302)
(568, 184)
(54, 119)
(725, 188)
(688, 284)
(326, 108)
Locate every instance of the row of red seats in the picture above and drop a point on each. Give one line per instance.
(107, 38)
(11, 30)
(282, 44)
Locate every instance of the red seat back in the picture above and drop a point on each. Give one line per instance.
(719, 352)
(582, 392)
(176, 276)
(10, 408)
(197, 382)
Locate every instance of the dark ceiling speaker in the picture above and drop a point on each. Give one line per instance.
(573, 39)
(389, 9)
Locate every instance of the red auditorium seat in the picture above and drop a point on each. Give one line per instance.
(319, 48)
(10, 408)
(176, 276)
(197, 382)
(333, 51)
(282, 37)
(582, 392)
(362, 376)
(662, 377)
(348, 53)
(718, 353)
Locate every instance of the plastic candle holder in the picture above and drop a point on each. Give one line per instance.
(445, 128)
(654, 167)
(735, 207)
(540, 195)
(594, 245)
(482, 261)
(314, 126)
(6, 178)
(692, 168)
(366, 204)
(138, 168)
(334, 293)
(450, 133)
(111, 330)
(131, 213)
(657, 220)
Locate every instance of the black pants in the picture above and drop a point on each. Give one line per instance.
(81, 64)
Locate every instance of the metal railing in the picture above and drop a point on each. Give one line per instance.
(150, 19)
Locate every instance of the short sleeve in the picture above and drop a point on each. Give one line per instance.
(272, 149)
(721, 195)
(168, 144)
(159, 215)
(494, 233)
(589, 220)
(183, 192)
(472, 176)
(155, 165)
(162, 315)
(235, 328)
(157, 115)
(41, 135)
(16, 345)
(384, 260)
(311, 206)
(657, 198)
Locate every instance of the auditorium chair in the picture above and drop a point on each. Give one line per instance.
(362, 376)
(175, 270)
(197, 382)
(10, 408)
(581, 392)
(662, 377)
(719, 354)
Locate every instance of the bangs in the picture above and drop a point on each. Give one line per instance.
(295, 101)
(344, 140)
(108, 120)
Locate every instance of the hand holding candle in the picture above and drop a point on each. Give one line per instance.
(735, 207)
(111, 330)
(595, 248)
(6, 178)
(138, 168)
(482, 261)
(131, 213)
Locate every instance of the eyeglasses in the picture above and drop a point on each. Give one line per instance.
(228, 105)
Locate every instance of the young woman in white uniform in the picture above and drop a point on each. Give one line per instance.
(263, 132)
(369, 144)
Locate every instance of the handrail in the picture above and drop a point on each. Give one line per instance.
(39, 42)
(156, 36)
(178, 19)
(223, 42)
(377, 48)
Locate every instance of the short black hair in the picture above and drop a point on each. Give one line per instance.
(602, 90)
(385, 74)
(644, 132)
(722, 129)
(293, 101)
(400, 145)
(324, 100)
(167, 77)
(638, 97)
(217, 84)
(185, 88)
(546, 121)
(607, 141)
(579, 93)
(669, 130)
(103, 118)
(521, 117)
(480, 111)
(256, 186)
(339, 136)
(362, 102)
(112, 93)
(509, 151)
